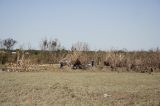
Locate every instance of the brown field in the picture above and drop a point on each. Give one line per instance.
(79, 88)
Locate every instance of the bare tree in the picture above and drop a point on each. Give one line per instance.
(80, 46)
(9, 43)
(44, 44)
(50, 45)
(54, 45)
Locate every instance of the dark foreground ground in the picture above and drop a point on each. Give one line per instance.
(79, 89)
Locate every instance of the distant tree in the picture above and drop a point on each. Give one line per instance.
(9, 43)
(54, 45)
(44, 44)
(80, 46)
(50, 45)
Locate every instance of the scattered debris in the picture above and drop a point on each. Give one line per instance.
(106, 95)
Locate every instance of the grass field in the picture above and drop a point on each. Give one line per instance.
(79, 89)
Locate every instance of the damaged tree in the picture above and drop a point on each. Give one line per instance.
(9, 43)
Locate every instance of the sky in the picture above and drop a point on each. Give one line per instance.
(103, 24)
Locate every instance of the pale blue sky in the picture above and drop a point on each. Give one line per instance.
(104, 24)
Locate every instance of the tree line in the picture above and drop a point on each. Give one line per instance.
(45, 45)
(52, 53)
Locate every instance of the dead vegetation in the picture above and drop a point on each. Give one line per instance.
(138, 61)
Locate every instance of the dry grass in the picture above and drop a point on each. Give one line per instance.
(79, 89)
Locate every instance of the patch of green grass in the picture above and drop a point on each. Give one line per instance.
(79, 88)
